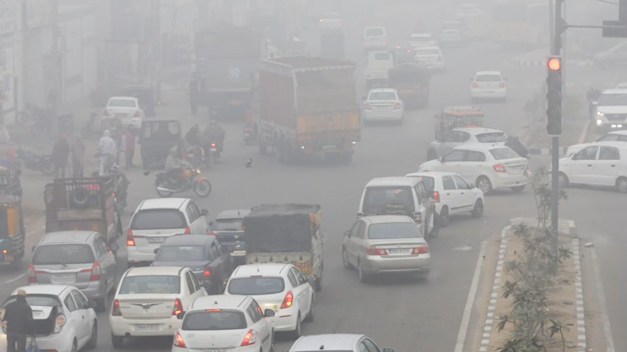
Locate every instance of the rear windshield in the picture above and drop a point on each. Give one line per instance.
(125, 103)
(375, 32)
(428, 52)
(613, 99)
(222, 320)
(63, 254)
(504, 153)
(382, 96)
(393, 230)
(427, 181)
(251, 286)
(37, 300)
(156, 219)
(227, 225)
(388, 201)
(164, 284)
(488, 78)
(181, 253)
(494, 137)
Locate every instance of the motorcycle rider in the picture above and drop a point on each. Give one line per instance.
(106, 149)
(215, 134)
(120, 183)
(192, 137)
(175, 166)
(592, 95)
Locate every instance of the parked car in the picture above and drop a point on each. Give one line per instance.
(63, 318)
(383, 104)
(465, 135)
(78, 258)
(614, 136)
(148, 301)
(227, 227)
(236, 323)
(598, 164)
(488, 85)
(204, 254)
(125, 109)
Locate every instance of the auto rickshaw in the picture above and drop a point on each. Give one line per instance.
(12, 232)
(146, 96)
(457, 117)
(156, 139)
(411, 82)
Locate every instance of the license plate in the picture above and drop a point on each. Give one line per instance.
(238, 253)
(325, 147)
(146, 327)
(155, 239)
(38, 314)
(120, 115)
(64, 276)
(399, 251)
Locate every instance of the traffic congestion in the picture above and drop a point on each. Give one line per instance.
(329, 193)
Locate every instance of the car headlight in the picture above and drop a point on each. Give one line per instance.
(599, 113)
(599, 122)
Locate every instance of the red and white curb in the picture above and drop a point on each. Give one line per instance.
(581, 321)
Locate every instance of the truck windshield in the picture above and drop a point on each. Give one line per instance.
(66, 253)
(156, 219)
(256, 286)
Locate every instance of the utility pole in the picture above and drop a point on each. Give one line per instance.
(53, 93)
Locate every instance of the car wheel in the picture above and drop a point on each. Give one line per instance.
(102, 303)
(484, 184)
(621, 184)
(93, 340)
(477, 210)
(562, 180)
(363, 277)
(347, 264)
(117, 341)
(296, 332)
(444, 217)
(310, 317)
(518, 189)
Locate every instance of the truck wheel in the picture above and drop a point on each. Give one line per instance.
(79, 197)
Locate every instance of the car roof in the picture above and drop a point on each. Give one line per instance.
(67, 237)
(180, 240)
(477, 130)
(331, 342)
(162, 203)
(613, 144)
(431, 174)
(615, 91)
(233, 214)
(260, 269)
(384, 219)
(383, 90)
(124, 98)
(219, 301)
(481, 73)
(392, 182)
(43, 289)
(155, 271)
(622, 132)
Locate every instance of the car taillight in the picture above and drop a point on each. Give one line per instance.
(95, 272)
(475, 85)
(211, 233)
(136, 113)
(436, 196)
(502, 85)
(250, 338)
(188, 230)
(130, 240)
(397, 106)
(115, 310)
(213, 145)
(178, 340)
(178, 307)
(367, 106)
(32, 277)
(206, 273)
(376, 251)
(499, 167)
(60, 321)
(288, 300)
(420, 249)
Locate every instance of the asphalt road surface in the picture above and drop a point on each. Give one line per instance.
(394, 311)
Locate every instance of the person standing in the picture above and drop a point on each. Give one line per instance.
(78, 157)
(60, 154)
(106, 149)
(18, 319)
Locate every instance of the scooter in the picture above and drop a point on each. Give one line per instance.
(248, 136)
(35, 162)
(166, 186)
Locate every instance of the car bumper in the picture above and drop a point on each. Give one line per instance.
(127, 327)
(133, 256)
(393, 115)
(508, 180)
(389, 264)
(285, 320)
(251, 348)
(488, 93)
(602, 123)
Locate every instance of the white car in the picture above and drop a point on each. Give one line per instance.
(383, 105)
(452, 194)
(225, 323)
(156, 219)
(465, 135)
(337, 342)
(611, 110)
(421, 40)
(468, 10)
(488, 85)
(126, 109)
(451, 37)
(430, 57)
(278, 287)
(486, 166)
(63, 318)
(614, 136)
(598, 164)
(375, 38)
(149, 299)
(330, 21)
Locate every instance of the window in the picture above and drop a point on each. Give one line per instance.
(180, 254)
(195, 282)
(488, 78)
(122, 103)
(612, 100)
(371, 346)
(355, 229)
(462, 136)
(103, 246)
(215, 320)
(292, 278)
(448, 183)
(363, 347)
(81, 301)
(455, 155)
(162, 284)
(461, 183)
(589, 153)
(255, 286)
(190, 283)
(492, 137)
(382, 96)
(299, 277)
(427, 182)
(98, 248)
(214, 251)
(191, 213)
(609, 153)
(504, 153)
(63, 254)
(421, 192)
(362, 230)
(389, 201)
(393, 230)
(257, 309)
(450, 137)
(158, 219)
(474, 156)
(69, 303)
(252, 312)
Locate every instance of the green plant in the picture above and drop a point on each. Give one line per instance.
(558, 326)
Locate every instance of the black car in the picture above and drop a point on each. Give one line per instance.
(227, 227)
(403, 52)
(204, 254)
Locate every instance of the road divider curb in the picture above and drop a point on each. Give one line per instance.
(581, 320)
(543, 63)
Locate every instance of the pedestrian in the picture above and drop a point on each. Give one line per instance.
(78, 157)
(106, 150)
(18, 319)
(60, 154)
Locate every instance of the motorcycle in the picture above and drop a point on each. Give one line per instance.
(166, 186)
(248, 136)
(196, 156)
(35, 162)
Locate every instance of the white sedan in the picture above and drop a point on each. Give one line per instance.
(430, 57)
(126, 110)
(488, 85)
(452, 194)
(383, 105)
(75, 322)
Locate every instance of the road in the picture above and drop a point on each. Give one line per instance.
(394, 312)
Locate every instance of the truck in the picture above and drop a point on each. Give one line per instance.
(307, 106)
(226, 62)
(286, 233)
(83, 204)
(411, 82)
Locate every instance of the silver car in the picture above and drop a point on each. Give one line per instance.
(386, 243)
(76, 258)
(336, 342)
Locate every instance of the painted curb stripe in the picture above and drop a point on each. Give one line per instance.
(579, 305)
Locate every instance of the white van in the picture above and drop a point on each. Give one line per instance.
(375, 38)
(400, 196)
(379, 63)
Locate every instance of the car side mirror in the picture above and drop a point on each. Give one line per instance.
(268, 313)
(388, 350)
(156, 250)
(311, 278)
(91, 304)
(114, 246)
(180, 316)
(204, 212)
(360, 215)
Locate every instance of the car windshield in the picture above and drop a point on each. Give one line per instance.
(394, 230)
(493, 137)
(181, 254)
(426, 52)
(382, 96)
(388, 200)
(374, 32)
(251, 286)
(227, 225)
(504, 153)
(157, 219)
(613, 100)
(488, 78)
(214, 320)
(63, 254)
(146, 284)
(122, 103)
(37, 300)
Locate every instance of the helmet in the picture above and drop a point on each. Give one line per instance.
(114, 167)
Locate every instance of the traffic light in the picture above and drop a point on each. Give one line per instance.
(554, 96)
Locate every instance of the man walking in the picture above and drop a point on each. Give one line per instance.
(18, 319)
(60, 154)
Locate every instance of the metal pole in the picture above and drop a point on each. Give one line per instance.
(53, 94)
(551, 25)
(555, 150)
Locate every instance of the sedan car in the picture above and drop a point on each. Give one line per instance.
(227, 227)
(386, 244)
(452, 194)
(488, 167)
(330, 21)
(126, 109)
(63, 318)
(466, 135)
(383, 105)
(203, 254)
(430, 57)
(274, 284)
(488, 85)
(337, 342)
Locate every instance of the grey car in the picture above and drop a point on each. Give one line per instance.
(337, 342)
(467, 135)
(76, 258)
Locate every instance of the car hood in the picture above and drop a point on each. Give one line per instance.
(431, 165)
(612, 109)
(195, 265)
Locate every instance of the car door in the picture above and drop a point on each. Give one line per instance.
(473, 165)
(75, 317)
(450, 195)
(192, 218)
(106, 259)
(200, 291)
(451, 161)
(581, 168)
(305, 292)
(466, 195)
(351, 245)
(188, 285)
(607, 166)
(423, 206)
(260, 324)
(86, 324)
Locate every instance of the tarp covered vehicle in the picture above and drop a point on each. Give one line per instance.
(156, 139)
(411, 82)
(457, 117)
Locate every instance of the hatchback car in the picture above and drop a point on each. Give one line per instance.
(383, 105)
(225, 323)
(430, 57)
(452, 194)
(126, 109)
(468, 135)
(154, 220)
(486, 166)
(598, 164)
(203, 254)
(488, 85)
(611, 110)
(375, 38)
(337, 342)
(614, 136)
(330, 21)
(63, 318)
(386, 244)
(148, 301)
(227, 227)
(78, 258)
(280, 288)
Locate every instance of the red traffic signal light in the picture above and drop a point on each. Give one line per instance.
(554, 64)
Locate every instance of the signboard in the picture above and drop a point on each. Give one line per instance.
(8, 16)
(38, 13)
